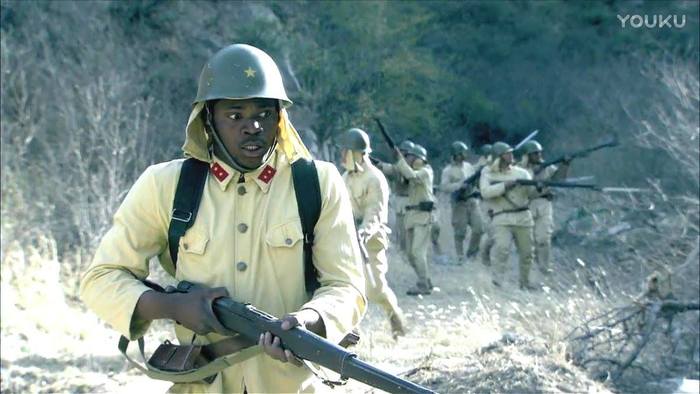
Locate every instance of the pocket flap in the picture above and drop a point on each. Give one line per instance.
(284, 235)
(193, 242)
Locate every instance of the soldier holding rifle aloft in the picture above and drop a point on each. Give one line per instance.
(420, 211)
(369, 195)
(399, 200)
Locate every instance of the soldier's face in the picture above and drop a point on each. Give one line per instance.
(247, 128)
(410, 159)
(536, 157)
(507, 157)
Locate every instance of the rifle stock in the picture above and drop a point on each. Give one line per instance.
(250, 322)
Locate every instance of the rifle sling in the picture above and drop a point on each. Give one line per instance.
(308, 193)
(188, 194)
(193, 375)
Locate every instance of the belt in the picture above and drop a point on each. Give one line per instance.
(494, 214)
(425, 206)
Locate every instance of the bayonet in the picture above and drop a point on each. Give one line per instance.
(526, 139)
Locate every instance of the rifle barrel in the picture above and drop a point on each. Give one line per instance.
(580, 153)
(375, 377)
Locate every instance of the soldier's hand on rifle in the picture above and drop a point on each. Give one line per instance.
(566, 160)
(509, 185)
(194, 309)
(306, 318)
(397, 153)
(539, 186)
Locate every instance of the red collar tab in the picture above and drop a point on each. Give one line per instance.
(267, 173)
(219, 172)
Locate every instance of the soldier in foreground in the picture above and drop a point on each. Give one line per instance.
(541, 204)
(465, 205)
(245, 239)
(420, 213)
(510, 213)
(369, 195)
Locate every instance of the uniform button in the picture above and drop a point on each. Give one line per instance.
(241, 190)
(242, 227)
(241, 266)
(185, 246)
(288, 241)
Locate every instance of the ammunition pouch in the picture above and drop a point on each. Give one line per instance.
(179, 358)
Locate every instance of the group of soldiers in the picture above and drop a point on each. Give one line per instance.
(486, 198)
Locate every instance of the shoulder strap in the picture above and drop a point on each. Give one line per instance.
(188, 193)
(308, 193)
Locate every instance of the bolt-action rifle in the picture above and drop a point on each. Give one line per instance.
(250, 322)
(568, 184)
(577, 154)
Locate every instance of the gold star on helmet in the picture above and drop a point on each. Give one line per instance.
(249, 72)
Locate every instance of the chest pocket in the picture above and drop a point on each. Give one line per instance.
(285, 235)
(193, 243)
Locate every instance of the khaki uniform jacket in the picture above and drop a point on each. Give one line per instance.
(453, 175)
(493, 191)
(247, 237)
(369, 196)
(399, 184)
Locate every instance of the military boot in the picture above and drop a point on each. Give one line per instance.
(528, 286)
(421, 288)
(398, 324)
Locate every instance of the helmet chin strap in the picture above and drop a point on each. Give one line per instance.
(220, 148)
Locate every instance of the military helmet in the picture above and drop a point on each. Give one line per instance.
(485, 149)
(406, 145)
(355, 139)
(531, 146)
(500, 148)
(418, 151)
(459, 148)
(239, 72)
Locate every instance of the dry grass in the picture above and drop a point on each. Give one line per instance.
(467, 337)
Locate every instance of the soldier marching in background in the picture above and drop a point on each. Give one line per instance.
(465, 206)
(510, 213)
(369, 195)
(541, 204)
(485, 159)
(399, 190)
(420, 213)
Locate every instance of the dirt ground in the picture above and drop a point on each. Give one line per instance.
(467, 337)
